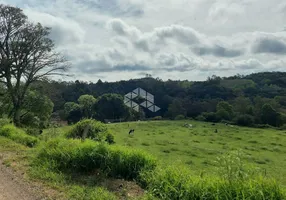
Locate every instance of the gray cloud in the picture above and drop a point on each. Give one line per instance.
(269, 45)
(164, 37)
(115, 8)
(63, 32)
(217, 50)
(248, 64)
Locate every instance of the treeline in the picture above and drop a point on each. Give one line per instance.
(245, 100)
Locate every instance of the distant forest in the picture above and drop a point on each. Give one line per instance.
(245, 100)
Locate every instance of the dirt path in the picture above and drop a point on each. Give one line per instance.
(13, 187)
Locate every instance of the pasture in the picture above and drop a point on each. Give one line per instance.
(198, 147)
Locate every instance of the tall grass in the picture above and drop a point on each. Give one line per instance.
(18, 135)
(177, 183)
(77, 156)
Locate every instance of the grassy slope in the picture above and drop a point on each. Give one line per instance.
(198, 147)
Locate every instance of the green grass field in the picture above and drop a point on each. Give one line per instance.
(184, 156)
(199, 147)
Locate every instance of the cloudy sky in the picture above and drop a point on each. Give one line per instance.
(171, 39)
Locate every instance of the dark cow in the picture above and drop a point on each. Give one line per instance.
(131, 131)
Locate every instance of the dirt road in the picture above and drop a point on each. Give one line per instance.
(13, 187)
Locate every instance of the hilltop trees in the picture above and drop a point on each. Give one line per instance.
(111, 106)
(27, 54)
(87, 103)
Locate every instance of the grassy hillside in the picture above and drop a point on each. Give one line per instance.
(163, 158)
(198, 147)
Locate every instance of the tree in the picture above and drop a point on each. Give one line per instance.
(269, 115)
(224, 111)
(87, 103)
(176, 108)
(111, 106)
(73, 112)
(242, 105)
(36, 105)
(27, 54)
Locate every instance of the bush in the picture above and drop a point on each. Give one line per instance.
(4, 121)
(30, 120)
(200, 118)
(180, 117)
(90, 129)
(110, 138)
(244, 120)
(76, 156)
(33, 131)
(18, 135)
(157, 118)
(210, 116)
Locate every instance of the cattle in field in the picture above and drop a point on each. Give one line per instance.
(131, 131)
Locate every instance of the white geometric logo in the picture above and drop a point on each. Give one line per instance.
(139, 92)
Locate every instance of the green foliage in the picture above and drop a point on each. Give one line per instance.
(210, 117)
(269, 115)
(224, 111)
(37, 109)
(176, 108)
(73, 112)
(177, 183)
(87, 103)
(94, 193)
(4, 121)
(179, 117)
(157, 118)
(110, 138)
(18, 135)
(244, 120)
(33, 131)
(90, 129)
(232, 168)
(111, 106)
(77, 156)
(30, 120)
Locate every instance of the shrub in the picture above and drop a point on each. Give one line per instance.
(179, 117)
(110, 138)
(90, 129)
(200, 118)
(4, 121)
(76, 156)
(33, 131)
(157, 118)
(244, 120)
(210, 116)
(18, 135)
(30, 120)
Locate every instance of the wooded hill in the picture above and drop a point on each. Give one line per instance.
(243, 99)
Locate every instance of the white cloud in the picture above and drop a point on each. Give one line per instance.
(119, 39)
